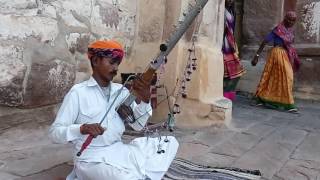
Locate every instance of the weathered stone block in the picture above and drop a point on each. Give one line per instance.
(48, 82)
(11, 6)
(298, 170)
(259, 18)
(270, 154)
(307, 28)
(309, 149)
(19, 27)
(307, 79)
(12, 73)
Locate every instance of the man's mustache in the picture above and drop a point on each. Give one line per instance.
(114, 72)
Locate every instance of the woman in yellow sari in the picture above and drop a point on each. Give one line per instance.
(275, 87)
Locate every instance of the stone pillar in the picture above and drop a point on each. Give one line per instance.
(148, 36)
(206, 90)
(205, 104)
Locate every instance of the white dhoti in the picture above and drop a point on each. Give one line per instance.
(134, 161)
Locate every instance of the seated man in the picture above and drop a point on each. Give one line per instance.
(107, 158)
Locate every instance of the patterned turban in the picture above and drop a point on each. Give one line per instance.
(106, 48)
(291, 15)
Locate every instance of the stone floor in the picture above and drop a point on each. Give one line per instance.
(279, 144)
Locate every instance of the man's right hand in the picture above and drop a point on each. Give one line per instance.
(92, 129)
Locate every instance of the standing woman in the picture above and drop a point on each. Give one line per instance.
(275, 87)
(232, 65)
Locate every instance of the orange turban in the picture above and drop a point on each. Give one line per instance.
(106, 48)
(105, 44)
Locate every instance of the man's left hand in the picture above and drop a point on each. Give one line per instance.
(141, 89)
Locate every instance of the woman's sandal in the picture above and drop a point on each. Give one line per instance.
(256, 103)
(294, 111)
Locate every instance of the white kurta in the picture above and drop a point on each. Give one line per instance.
(107, 157)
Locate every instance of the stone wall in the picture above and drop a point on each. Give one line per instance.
(308, 44)
(259, 18)
(43, 45)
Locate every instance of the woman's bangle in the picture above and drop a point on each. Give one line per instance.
(257, 55)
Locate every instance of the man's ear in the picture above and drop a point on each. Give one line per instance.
(94, 61)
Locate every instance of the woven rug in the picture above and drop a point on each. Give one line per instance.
(181, 169)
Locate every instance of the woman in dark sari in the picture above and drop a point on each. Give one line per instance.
(275, 87)
(232, 65)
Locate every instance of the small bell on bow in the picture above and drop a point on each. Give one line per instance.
(184, 93)
(183, 85)
(176, 109)
(194, 66)
(188, 77)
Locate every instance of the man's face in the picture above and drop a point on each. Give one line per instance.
(106, 68)
(289, 21)
(229, 3)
